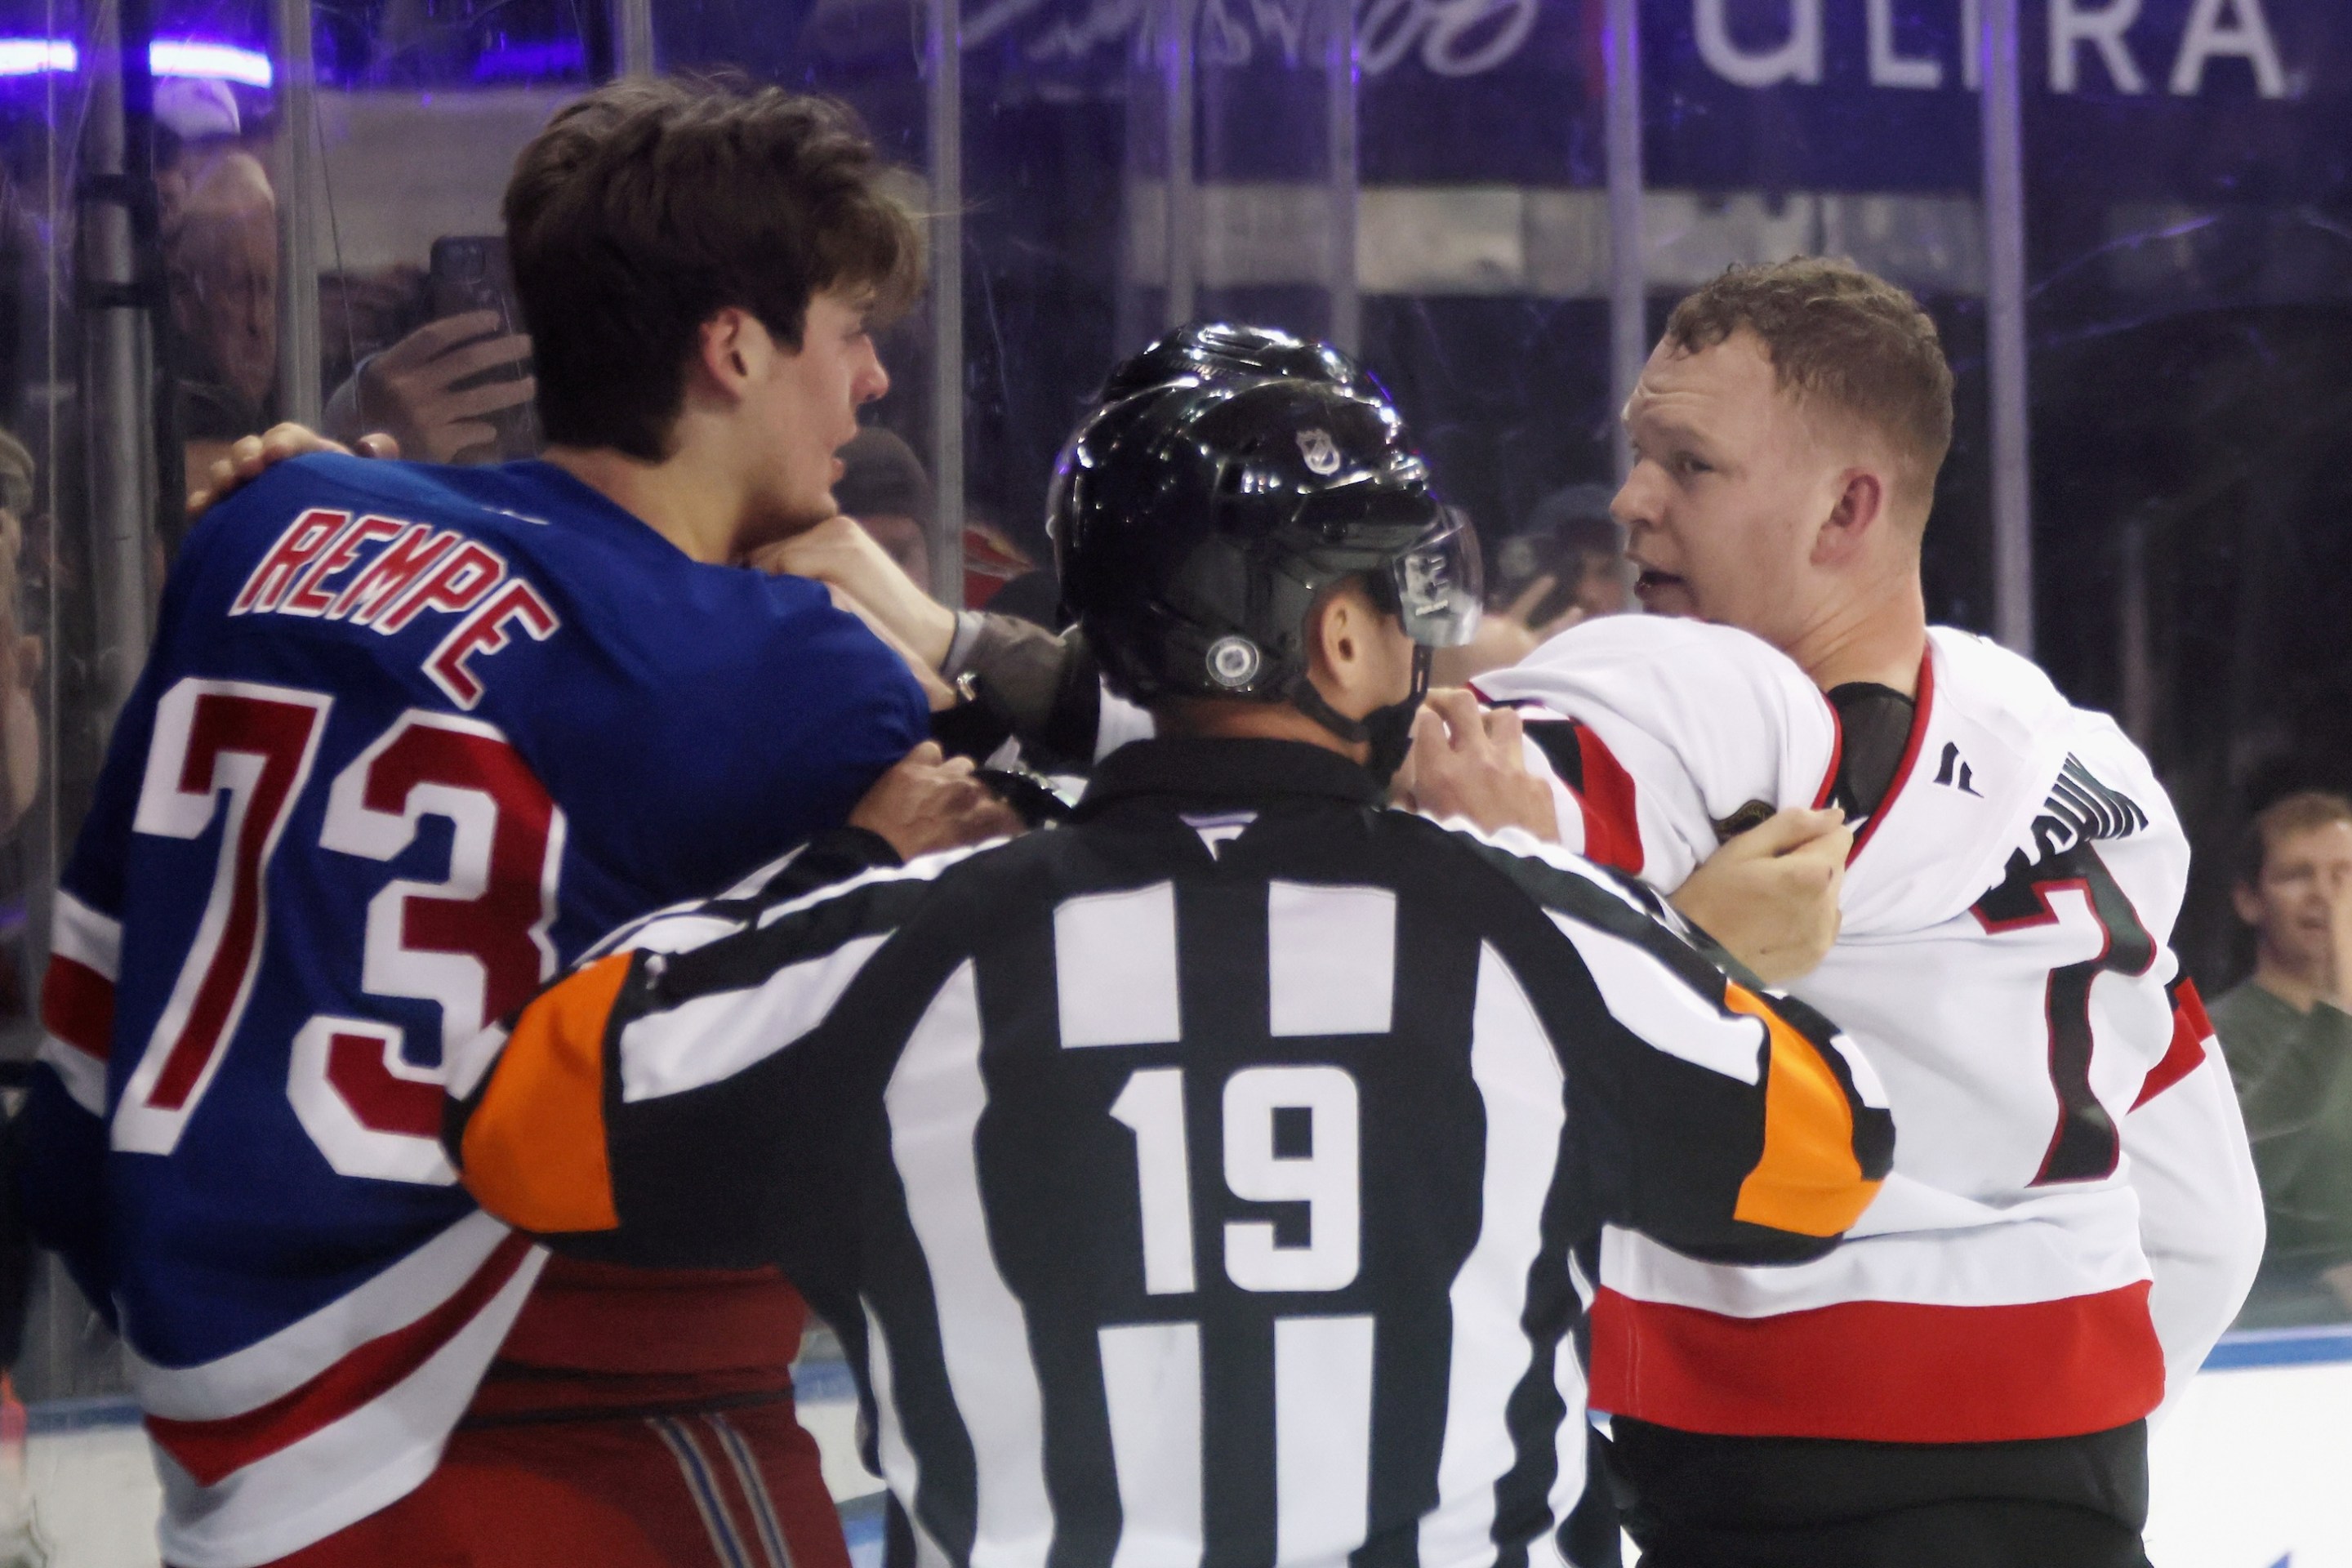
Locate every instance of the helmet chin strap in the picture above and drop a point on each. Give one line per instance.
(1387, 731)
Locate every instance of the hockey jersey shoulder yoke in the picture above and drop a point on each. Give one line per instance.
(1687, 733)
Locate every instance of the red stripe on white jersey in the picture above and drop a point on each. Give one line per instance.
(274, 1447)
(1837, 760)
(335, 1417)
(77, 998)
(269, 1369)
(78, 1011)
(1924, 707)
(2190, 1031)
(1887, 1372)
(1612, 824)
(89, 937)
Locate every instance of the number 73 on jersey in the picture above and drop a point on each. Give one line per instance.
(240, 756)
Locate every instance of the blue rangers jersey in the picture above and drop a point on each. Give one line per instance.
(409, 740)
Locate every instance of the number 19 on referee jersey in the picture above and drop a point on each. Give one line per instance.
(1290, 1136)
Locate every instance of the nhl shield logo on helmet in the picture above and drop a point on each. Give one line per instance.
(1233, 662)
(1322, 453)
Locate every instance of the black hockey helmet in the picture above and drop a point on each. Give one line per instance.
(1210, 351)
(1196, 521)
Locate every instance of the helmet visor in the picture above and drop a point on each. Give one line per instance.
(1439, 585)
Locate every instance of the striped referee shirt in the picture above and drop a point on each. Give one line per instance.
(1195, 1184)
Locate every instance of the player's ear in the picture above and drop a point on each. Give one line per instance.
(734, 352)
(1857, 514)
(2247, 902)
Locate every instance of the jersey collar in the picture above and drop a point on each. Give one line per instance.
(1246, 770)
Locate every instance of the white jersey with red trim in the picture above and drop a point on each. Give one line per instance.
(2074, 1217)
(1681, 733)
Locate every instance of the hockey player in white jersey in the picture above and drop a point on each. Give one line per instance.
(2073, 1217)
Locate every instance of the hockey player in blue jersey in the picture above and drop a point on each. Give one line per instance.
(409, 739)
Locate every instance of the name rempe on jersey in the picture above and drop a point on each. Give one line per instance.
(382, 572)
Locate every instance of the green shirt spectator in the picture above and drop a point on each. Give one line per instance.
(2286, 1034)
(2293, 1073)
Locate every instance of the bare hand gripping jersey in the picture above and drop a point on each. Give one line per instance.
(2073, 1218)
(1196, 1186)
(409, 739)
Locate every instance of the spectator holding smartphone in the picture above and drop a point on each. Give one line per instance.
(425, 393)
(221, 261)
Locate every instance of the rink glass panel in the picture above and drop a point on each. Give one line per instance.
(2190, 229)
(1422, 180)
(1851, 130)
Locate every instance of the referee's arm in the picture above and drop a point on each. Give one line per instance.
(1718, 1117)
(685, 1037)
(545, 1114)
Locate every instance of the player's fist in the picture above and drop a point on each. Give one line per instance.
(930, 802)
(1469, 760)
(842, 555)
(1770, 895)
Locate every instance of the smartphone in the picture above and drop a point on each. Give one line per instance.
(469, 272)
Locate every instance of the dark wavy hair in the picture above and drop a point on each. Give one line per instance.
(652, 204)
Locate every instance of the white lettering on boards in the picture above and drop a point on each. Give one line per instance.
(1798, 58)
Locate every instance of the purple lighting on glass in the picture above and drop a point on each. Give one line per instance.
(512, 61)
(30, 56)
(201, 57)
(166, 57)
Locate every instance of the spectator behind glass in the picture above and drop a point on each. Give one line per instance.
(21, 653)
(221, 254)
(422, 391)
(200, 125)
(1564, 564)
(884, 489)
(2287, 1036)
(219, 218)
(22, 656)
